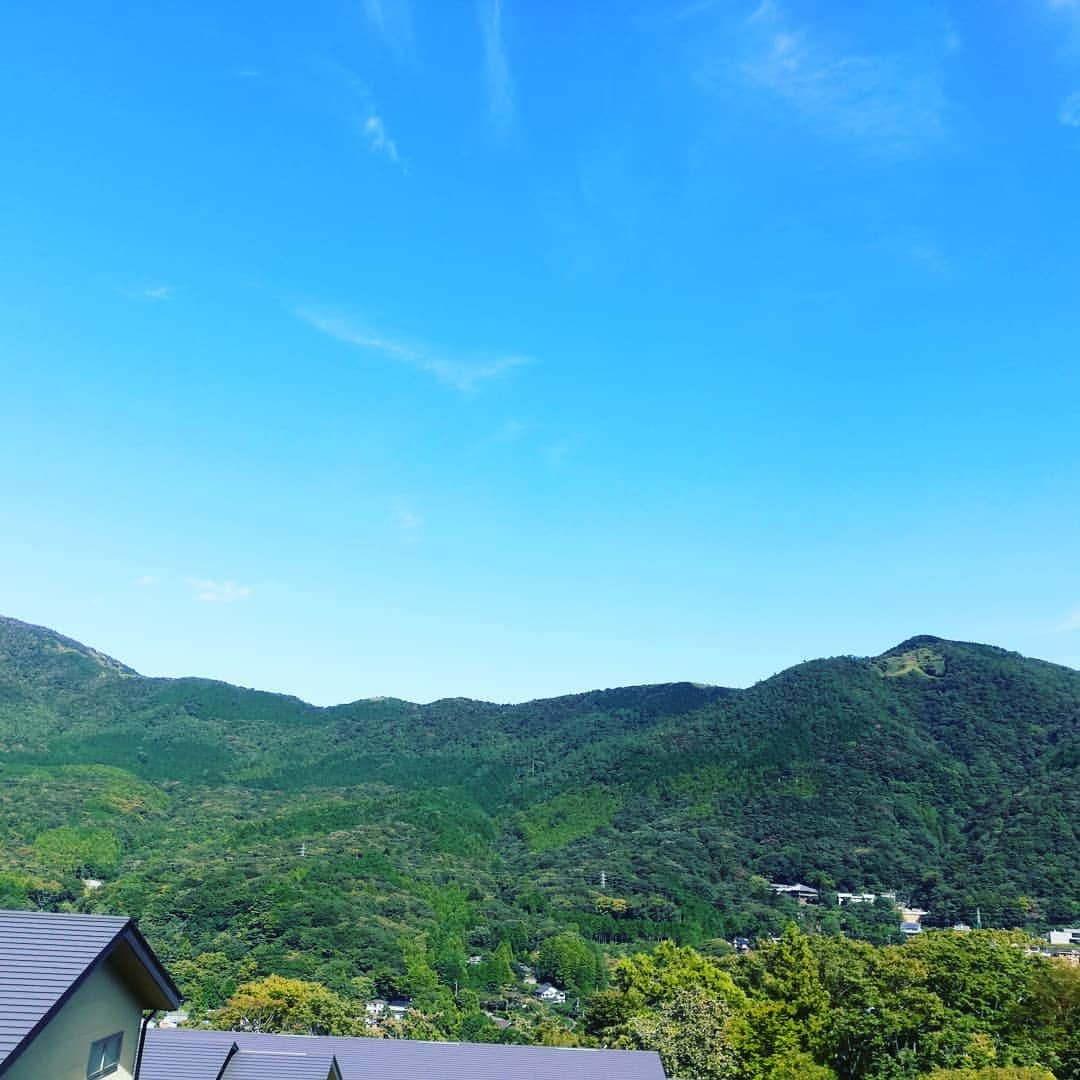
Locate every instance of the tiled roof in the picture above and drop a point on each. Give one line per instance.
(178, 1054)
(42, 956)
(275, 1065)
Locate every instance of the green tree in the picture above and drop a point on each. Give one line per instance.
(421, 979)
(788, 1018)
(210, 979)
(569, 961)
(675, 1001)
(692, 1033)
(292, 1006)
(71, 850)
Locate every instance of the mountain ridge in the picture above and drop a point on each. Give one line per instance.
(11, 626)
(946, 771)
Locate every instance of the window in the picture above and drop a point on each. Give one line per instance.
(104, 1056)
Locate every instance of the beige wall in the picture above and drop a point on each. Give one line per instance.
(100, 1007)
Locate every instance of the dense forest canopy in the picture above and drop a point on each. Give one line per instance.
(377, 847)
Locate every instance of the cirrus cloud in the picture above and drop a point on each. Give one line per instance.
(461, 371)
(893, 102)
(1069, 113)
(226, 592)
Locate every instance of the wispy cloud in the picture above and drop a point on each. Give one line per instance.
(1069, 113)
(1070, 623)
(378, 140)
(149, 292)
(1066, 14)
(463, 372)
(892, 102)
(375, 10)
(392, 21)
(146, 580)
(409, 522)
(213, 592)
(351, 96)
(500, 83)
(511, 431)
(930, 257)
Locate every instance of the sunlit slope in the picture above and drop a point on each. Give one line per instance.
(943, 769)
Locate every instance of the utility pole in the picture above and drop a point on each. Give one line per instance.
(978, 918)
(303, 850)
(603, 879)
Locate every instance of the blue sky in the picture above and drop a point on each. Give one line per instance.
(510, 348)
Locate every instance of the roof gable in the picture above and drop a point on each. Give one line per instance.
(45, 958)
(281, 1065)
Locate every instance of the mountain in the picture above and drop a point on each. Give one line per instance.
(320, 841)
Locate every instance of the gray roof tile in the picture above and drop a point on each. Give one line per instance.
(173, 1054)
(178, 1054)
(278, 1065)
(41, 957)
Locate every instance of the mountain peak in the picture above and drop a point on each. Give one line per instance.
(52, 656)
(917, 642)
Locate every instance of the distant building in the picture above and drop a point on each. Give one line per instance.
(172, 1019)
(551, 994)
(398, 1008)
(1064, 937)
(912, 914)
(910, 928)
(855, 897)
(803, 893)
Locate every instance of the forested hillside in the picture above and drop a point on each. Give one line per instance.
(253, 834)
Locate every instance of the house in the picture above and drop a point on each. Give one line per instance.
(550, 993)
(803, 893)
(375, 1008)
(1064, 937)
(855, 898)
(399, 1008)
(910, 929)
(912, 914)
(171, 1019)
(77, 993)
(73, 991)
